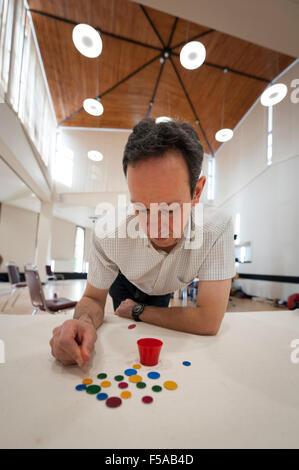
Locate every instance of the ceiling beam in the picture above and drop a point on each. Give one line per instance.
(192, 107)
(221, 67)
(172, 31)
(152, 25)
(155, 90)
(101, 31)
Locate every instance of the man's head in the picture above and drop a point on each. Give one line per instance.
(162, 163)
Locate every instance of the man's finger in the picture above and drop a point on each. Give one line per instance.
(87, 344)
(70, 346)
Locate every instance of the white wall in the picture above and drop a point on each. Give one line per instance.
(88, 176)
(63, 244)
(266, 197)
(17, 235)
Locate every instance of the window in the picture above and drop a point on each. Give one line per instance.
(270, 135)
(22, 82)
(211, 178)
(64, 161)
(53, 266)
(79, 250)
(243, 253)
(6, 27)
(16, 55)
(86, 266)
(237, 228)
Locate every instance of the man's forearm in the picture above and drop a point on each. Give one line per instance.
(90, 310)
(186, 319)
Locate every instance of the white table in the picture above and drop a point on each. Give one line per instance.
(242, 390)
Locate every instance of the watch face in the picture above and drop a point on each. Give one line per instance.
(137, 308)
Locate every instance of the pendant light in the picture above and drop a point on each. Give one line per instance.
(224, 134)
(93, 106)
(162, 119)
(87, 40)
(274, 94)
(192, 55)
(95, 155)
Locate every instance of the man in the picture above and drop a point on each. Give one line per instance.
(162, 163)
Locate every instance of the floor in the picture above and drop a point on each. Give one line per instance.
(73, 289)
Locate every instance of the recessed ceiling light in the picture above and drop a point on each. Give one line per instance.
(163, 119)
(224, 135)
(93, 107)
(95, 156)
(193, 55)
(87, 40)
(274, 94)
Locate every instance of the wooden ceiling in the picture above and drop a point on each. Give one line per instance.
(128, 75)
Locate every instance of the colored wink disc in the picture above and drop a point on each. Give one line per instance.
(135, 379)
(141, 385)
(153, 375)
(102, 376)
(170, 385)
(92, 389)
(130, 327)
(81, 387)
(147, 399)
(126, 394)
(102, 396)
(136, 366)
(156, 388)
(130, 372)
(119, 378)
(123, 385)
(113, 402)
(87, 381)
(105, 383)
(187, 363)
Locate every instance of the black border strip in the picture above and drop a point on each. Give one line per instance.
(258, 277)
(4, 276)
(269, 277)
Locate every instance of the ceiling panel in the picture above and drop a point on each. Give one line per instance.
(125, 76)
(73, 77)
(120, 17)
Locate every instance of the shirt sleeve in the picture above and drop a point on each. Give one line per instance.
(219, 263)
(102, 271)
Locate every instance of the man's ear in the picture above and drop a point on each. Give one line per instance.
(198, 189)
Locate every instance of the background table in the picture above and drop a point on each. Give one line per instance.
(242, 390)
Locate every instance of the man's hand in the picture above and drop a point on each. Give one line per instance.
(73, 341)
(125, 308)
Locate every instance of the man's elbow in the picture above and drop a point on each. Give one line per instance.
(213, 332)
(208, 323)
(208, 330)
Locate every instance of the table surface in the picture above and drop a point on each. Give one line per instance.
(241, 390)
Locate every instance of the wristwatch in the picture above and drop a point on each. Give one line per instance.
(137, 311)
